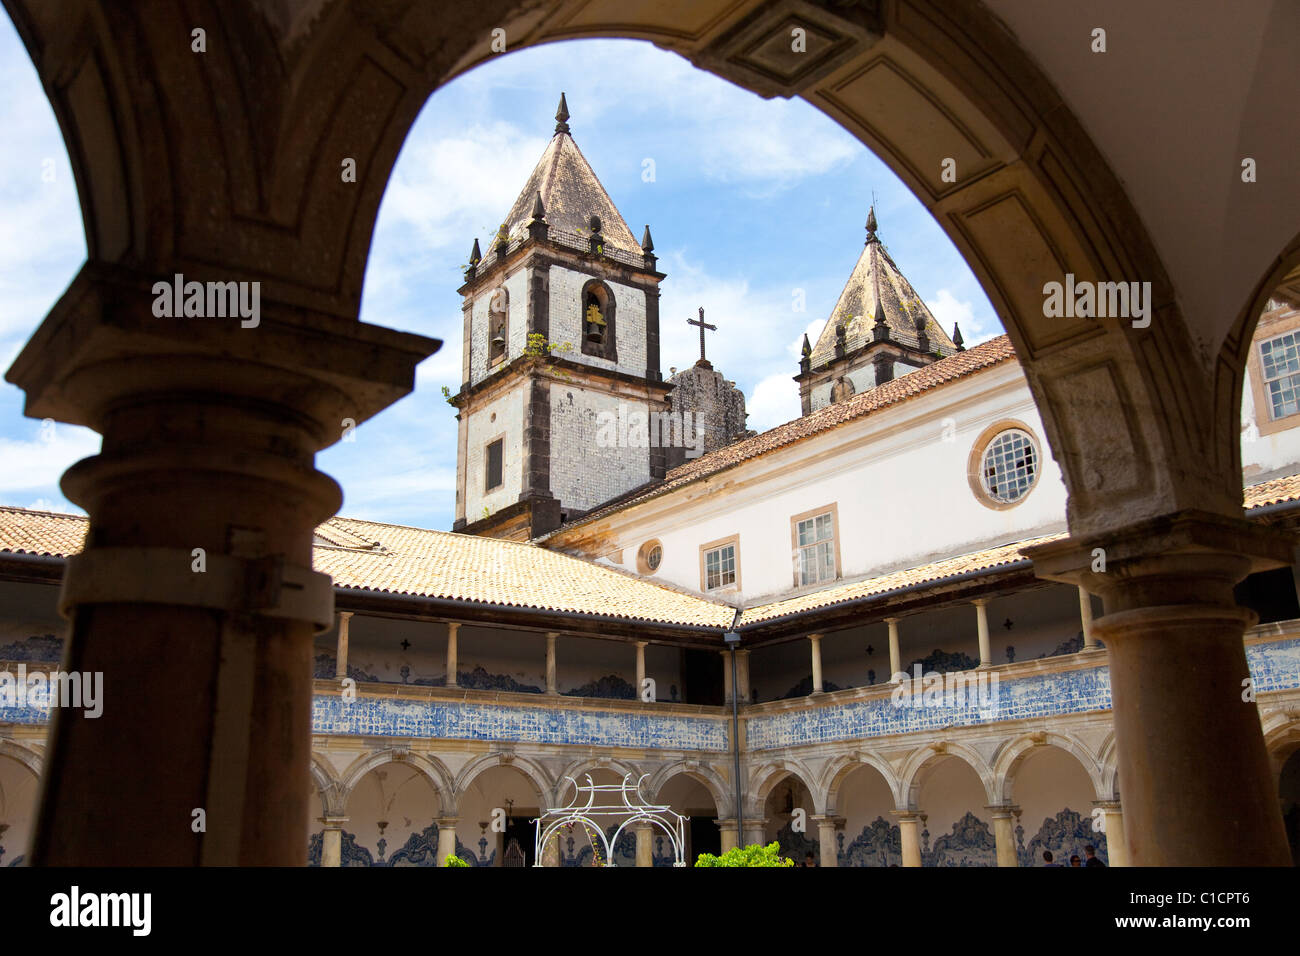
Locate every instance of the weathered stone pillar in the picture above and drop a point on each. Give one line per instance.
(640, 671)
(1085, 615)
(1198, 787)
(341, 655)
(895, 658)
(331, 844)
(195, 597)
(982, 624)
(909, 830)
(815, 641)
(1113, 824)
(826, 830)
(742, 675)
(730, 834)
(446, 839)
(644, 844)
(1004, 835)
(453, 654)
(550, 663)
(755, 832)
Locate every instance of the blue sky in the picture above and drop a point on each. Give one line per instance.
(751, 200)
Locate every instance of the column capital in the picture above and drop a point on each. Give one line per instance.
(452, 625)
(445, 822)
(345, 615)
(1003, 810)
(816, 636)
(1112, 805)
(332, 822)
(822, 819)
(891, 620)
(907, 815)
(980, 601)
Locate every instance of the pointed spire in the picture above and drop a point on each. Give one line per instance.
(647, 244)
(871, 224)
(475, 257)
(562, 116)
(957, 340)
(807, 348)
(539, 211)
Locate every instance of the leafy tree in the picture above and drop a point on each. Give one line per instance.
(752, 855)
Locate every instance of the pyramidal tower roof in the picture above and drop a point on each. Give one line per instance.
(877, 289)
(570, 193)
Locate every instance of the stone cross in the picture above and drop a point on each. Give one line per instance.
(703, 325)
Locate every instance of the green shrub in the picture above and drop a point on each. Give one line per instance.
(752, 855)
(454, 860)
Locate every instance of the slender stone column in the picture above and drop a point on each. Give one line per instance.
(341, 657)
(1004, 819)
(982, 623)
(644, 844)
(453, 654)
(727, 688)
(826, 829)
(446, 839)
(1085, 615)
(815, 640)
(640, 670)
(1113, 823)
(742, 675)
(331, 846)
(909, 829)
(195, 596)
(730, 834)
(1198, 786)
(755, 832)
(895, 658)
(550, 663)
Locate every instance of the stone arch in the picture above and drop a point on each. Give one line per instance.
(1014, 752)
(430, 767)
(29, 758)
(1108, 757)
(597, 290)
(1282, 738)
(841, 767)
(329, 785)
(529, 768)
(704, 774)
(918, 764)
(763, 779)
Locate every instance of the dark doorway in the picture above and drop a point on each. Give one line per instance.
(702, 677)
(704, 837)
(1270, 594)
(522, 830)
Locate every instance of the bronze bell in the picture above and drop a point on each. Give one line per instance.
(498, 343)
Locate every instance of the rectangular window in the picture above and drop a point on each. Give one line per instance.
(1280, 364)
(494, 451)
(816, 546)
(720, 567)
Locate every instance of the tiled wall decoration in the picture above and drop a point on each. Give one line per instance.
(805, 687)
(797, 846)
(879, 844)
(352, 853)
(1065, 834)
(610, 687)
(970, 843)
(45, 648)
(388, 717)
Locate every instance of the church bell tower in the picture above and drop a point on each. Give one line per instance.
(561, 351)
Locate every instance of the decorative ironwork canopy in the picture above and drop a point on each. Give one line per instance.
(584, 808)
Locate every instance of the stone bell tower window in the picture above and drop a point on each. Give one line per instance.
(598, 308)
(498, 325)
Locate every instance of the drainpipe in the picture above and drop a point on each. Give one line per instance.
(732, 639)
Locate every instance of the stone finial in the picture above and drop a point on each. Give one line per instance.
(871, 224)
(957, 340)
(647, 244)
(539, 211)
(475, 257)
(880, 328)
(807, 347)
(562, 116)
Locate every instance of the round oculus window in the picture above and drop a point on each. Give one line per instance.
(649, 556)
(1009, 466)
(653, 557)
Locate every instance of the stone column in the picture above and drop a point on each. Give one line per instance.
(446, 839)
(727, 689)
(826, 830)
(331, 846)
(453, 656)
(550, 663)
(895, 659)
(1113, 824)
(644, 843)
(755, 832)
(1004, 833)
(195, 597)
(742, 675)
(1085, 615)
(982, 623)
(1198, 786)
(640, 670)
(341, 656)
(909, 829)
(815, 640)
(730, 834)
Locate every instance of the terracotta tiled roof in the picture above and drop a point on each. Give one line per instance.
(412, 561)
(939, 571)
(1273, 492)
(983, 356)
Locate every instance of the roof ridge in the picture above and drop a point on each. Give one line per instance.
(51, 514)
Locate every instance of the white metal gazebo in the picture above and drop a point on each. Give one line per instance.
(590, 810)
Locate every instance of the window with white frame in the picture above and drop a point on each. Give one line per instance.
(1010, 466)
(815, 541)
(720, 567)
(1280, 364)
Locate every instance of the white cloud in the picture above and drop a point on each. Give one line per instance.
(34, 466)
(948, 309)
(775, 401)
